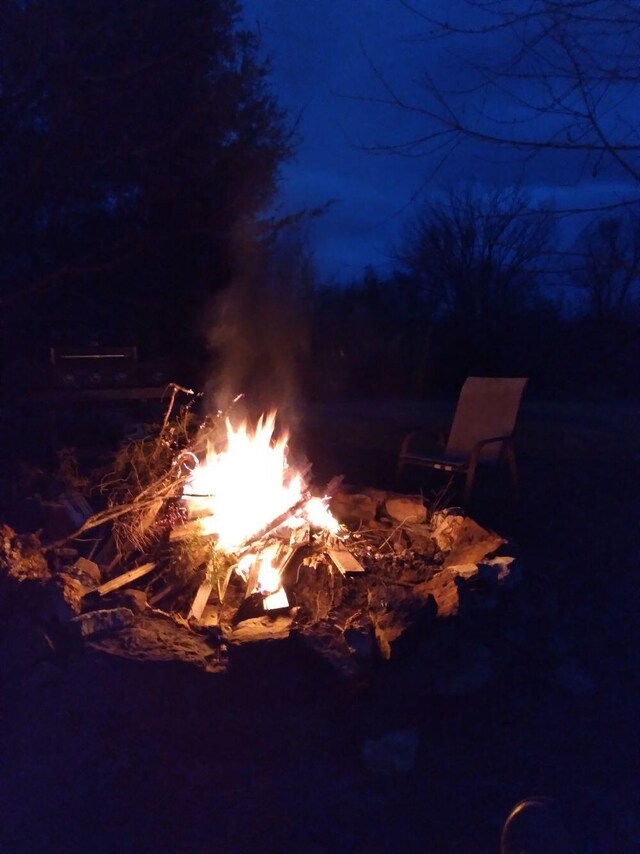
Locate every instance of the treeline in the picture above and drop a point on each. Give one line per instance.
(482, 285)
(140, 145)
(139, 162)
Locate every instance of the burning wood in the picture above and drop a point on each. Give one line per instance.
(202, 597)
(125, 578)
(234, 492)
(344, 561)
(273, 525)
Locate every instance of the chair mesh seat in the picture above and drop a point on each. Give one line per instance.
(436, 462)
(481, 432)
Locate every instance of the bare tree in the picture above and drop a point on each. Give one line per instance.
(476, 254)
(610, 276)
(544, 77)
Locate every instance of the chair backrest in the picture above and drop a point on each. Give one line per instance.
(487, 407)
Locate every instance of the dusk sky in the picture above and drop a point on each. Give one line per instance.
(319, 54)
(320, 67)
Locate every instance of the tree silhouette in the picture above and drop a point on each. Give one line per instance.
(549, 79)
(476, 254)
(610, 273)
(136, 139)
(474, 257)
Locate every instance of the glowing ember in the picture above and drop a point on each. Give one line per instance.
(242, 489)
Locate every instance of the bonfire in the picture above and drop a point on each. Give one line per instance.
(210, 526)
(256, 507)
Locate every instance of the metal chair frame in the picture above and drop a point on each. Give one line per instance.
(460, 459)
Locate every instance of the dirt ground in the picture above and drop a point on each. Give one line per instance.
(99, 754)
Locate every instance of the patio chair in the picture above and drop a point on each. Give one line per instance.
(481, 433)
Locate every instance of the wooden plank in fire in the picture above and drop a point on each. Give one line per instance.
(252, 578)
(281, 561)
(222, 588)
(286, 555)
(344, 561)
(290, 552)
(276, 601)
(125, 578)
(201, 599)
(248, 544)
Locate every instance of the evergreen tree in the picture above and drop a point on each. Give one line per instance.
(138, 139)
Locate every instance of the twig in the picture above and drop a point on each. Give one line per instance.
(397, 582)
(153, 493)
(175, 388)
(394, 531)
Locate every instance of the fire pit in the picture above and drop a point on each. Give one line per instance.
(228, 543)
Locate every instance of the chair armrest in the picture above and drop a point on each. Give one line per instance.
(506, 440)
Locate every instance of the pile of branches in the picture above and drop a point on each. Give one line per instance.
(143, 489)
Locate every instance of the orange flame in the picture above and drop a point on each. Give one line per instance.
(246, 486)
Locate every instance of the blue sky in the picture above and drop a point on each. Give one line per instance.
(320, 52)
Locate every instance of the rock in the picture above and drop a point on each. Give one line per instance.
(318, 590)
(479, 584)
(87, 571)
(378, 525)
(445, 527)
(68, 593)
(21, 557)
(472, 543)
(504, 569)
(378, 495)
(155, 637)
(393, 753)
(444, 590)
(354, 508)
(402, 610)
(464, 570)
(135, 599)
(265, 628)
(103, 621)
(406, 508)
(420, 539)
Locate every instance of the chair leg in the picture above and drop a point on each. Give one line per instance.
(468, 483)
(512, 469)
